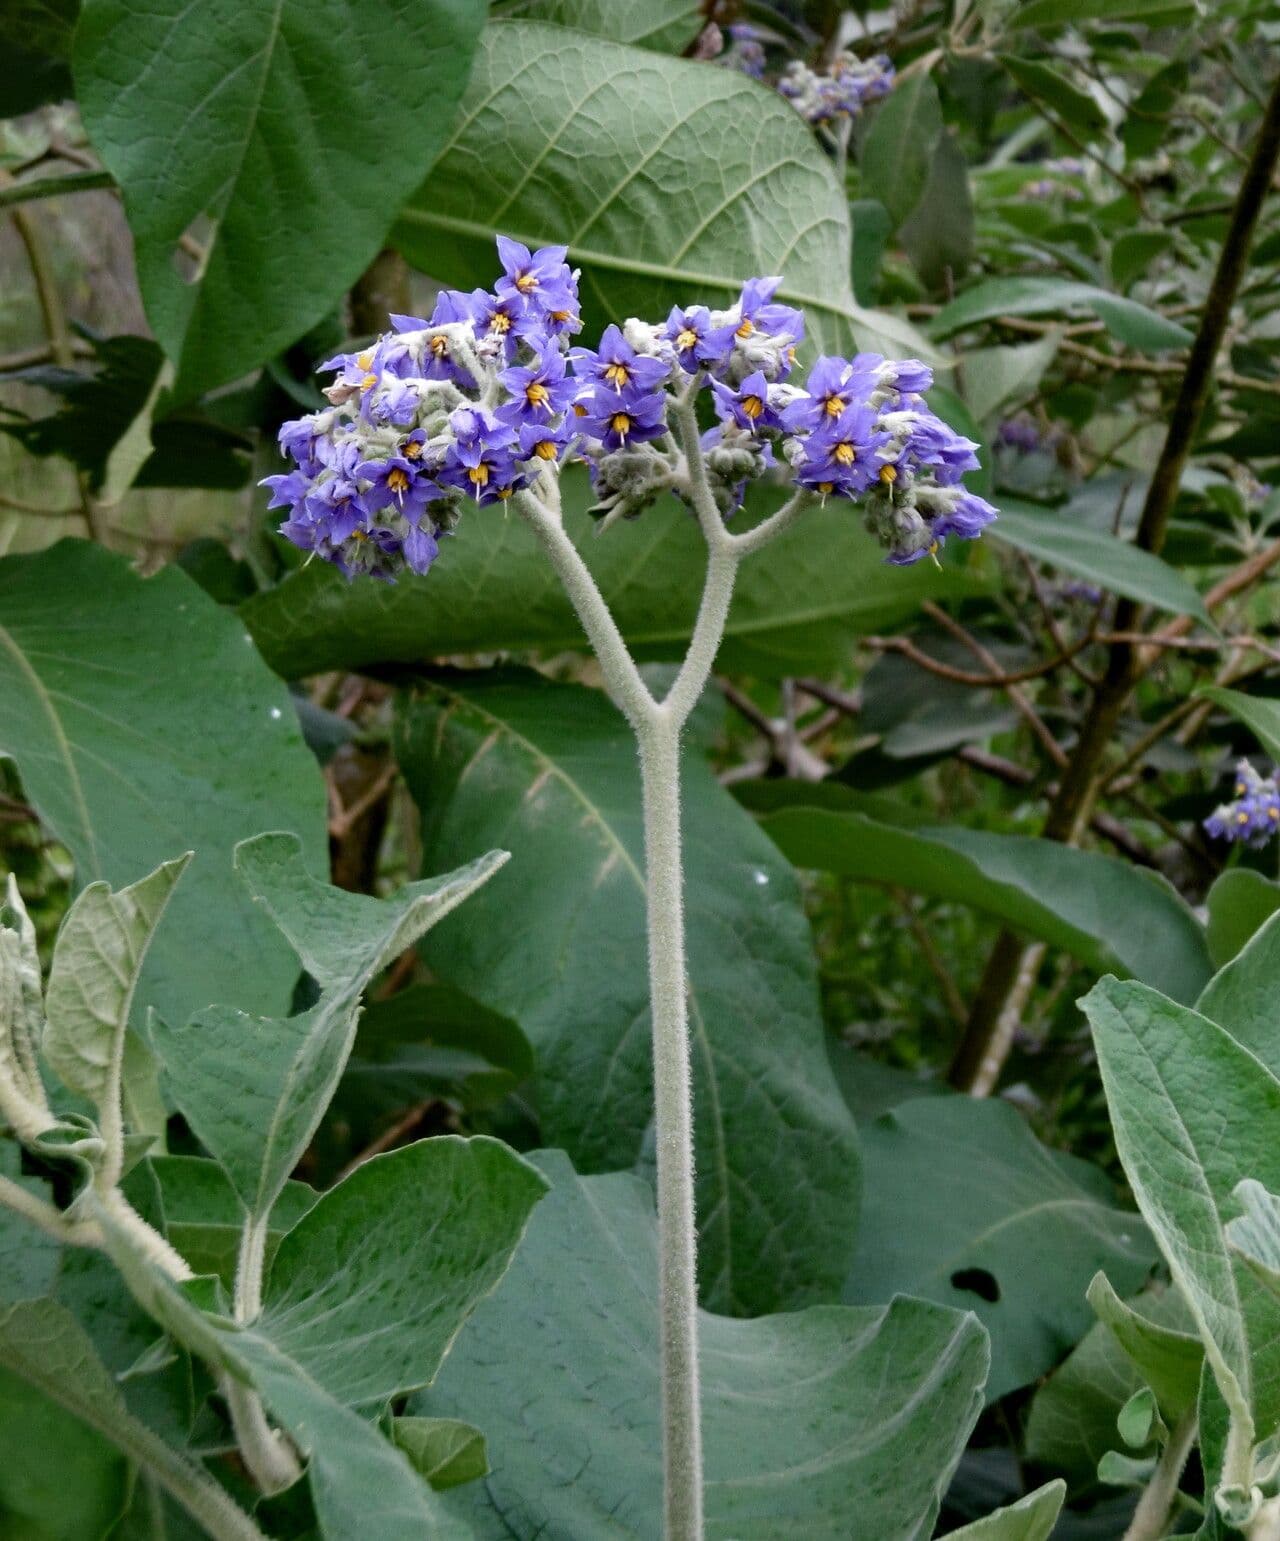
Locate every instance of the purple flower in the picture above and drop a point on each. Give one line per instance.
(969, 516)
(420, 548)
(932, 446)
(540, 441)
(303, 439)
(697, 344)
(748, 406)
(840, 457)
(758, 313)
(833, 385)
(617, 366)
(502, 318)
(908, 376)
(287, 490)
(481, 462)
(539, 391)
(540, 281)
(619, 420)
(1253, 816)
(398, 482)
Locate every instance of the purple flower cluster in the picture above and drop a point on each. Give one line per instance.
(477, 403)
(842, 92)
(1253, 815)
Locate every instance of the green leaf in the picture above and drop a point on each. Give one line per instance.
(1031, 1519)
(1125, 319)
(43, 1345)
(654, 171)
(555, 946)
(1169, 1357)
(808, 1418)
(1258, 713)
(666, 26)
(871, 229)
(1103, 911)
(128, 764)
(1242, 996)
(254, 1089)
(938, 233)
(246, 150)
(1002, 377)
(28, 1258)
(203, 1217)
(446, 1451)
(1239, 903)
(823, 583)
(1138, 1419)
(1255, 1233)
(369, 1288)
(1097, 556)
(964, 1207)
(1134, 252)
(1059, 13)
(1076, 108)
(97, 963)
(1193, 1112)
(898, 150)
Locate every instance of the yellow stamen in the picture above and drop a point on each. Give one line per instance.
(365, 359)
(1273, 812)
(617, 374)
(752, 406)
(500, 322)
(505, 493)
(412, 449)
(368, 383)
(1242, 818)
(686, 339)
(478, 475)
(621, 424)
(545, 449)
(562, 315)
(888, 475)
(536, 395)
(439, 346)
(825, 487)
(526, 283)
(398, 480)
(835, 406)
(358, 535)
(745, 330)
(844, 453)
(579, 410)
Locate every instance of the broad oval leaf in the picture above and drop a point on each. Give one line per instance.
(1154, 1333)
(963, 1206)
(1110, 915)
(1116, 565)
(557, 944)
(812, 1421)
(1240, 902)
(1242, 996)
(127, 764)
(898, 149)
(1258, 713)
(670, 183)
(231, 121)
(1194, 1114)
(667, 26)
(795, 610)
(1125, 319)
(1031, 1519)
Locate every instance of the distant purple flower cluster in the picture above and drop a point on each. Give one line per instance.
(1253, 815)
(474, 404)
(842, 92)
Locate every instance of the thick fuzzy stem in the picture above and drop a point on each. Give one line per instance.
(1151, 1517)
(673, 1119)
(266, 1452)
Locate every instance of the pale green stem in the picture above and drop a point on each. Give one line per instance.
(143, 1239)
(267, 1452)
(75, 1233)
(769, 529)
(1265, 1525)
(1151, 1517)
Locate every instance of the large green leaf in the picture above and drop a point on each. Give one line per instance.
(1103, 911)
(558, 944)
(1242, 996)
(898, 149)
(1239, 903)
(1155, 1332)
(823, 1423)
(668, 26)
(670, 183)
(253, 1088)
(144, 724)
(232, 122)
(1125, 319)
(1194, 1114)
(795, 611)
(1044, 84)
(1259, 714)
(1030, 1519)
(97, 962)
(369, 1288)
(963, 1206)
(1099, 557)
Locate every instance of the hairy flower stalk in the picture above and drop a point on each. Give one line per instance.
(483, 403)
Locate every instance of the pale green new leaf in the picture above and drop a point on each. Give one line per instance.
(1255, 1234)
(818, 1424)
(1242, 997)
(1159, 1341)
(795, 610)
(226, 121)
(446, 1451)
(97, 962)
(21, 999)
(1239, 903)
(1194, 1114)
(551, 770)
(1031, 1519)
(254, 1088)
(1260, 715)
(963, 1206)
(670, 182)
